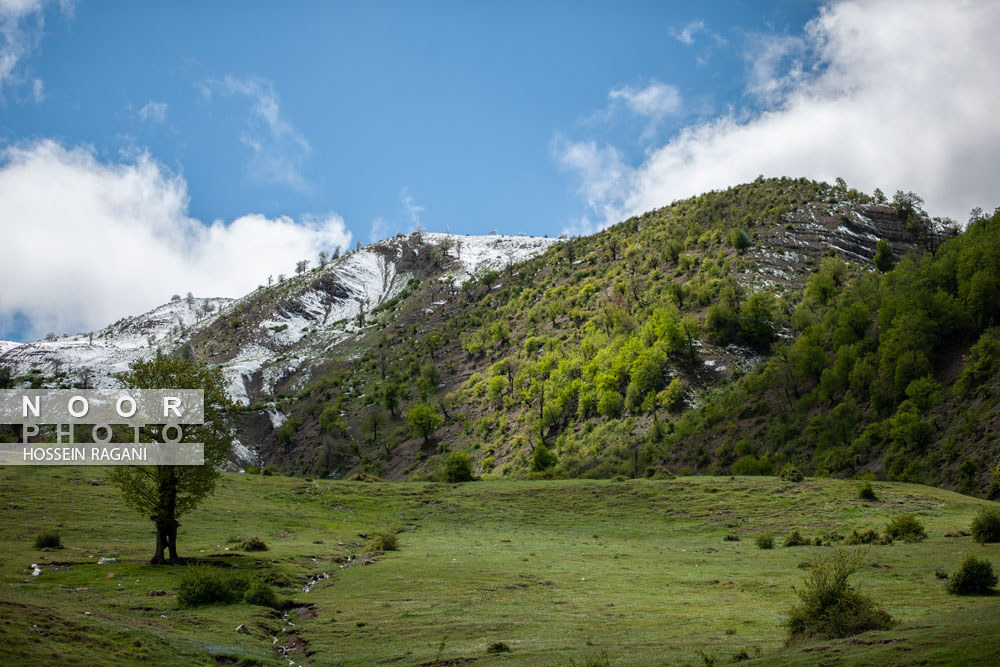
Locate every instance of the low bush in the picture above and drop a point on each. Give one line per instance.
(905, 527)
(986, 526)
(732, 537)
(830, 607)
(384, 542)
(48, 540)
(795, 539)
(497, 648)
(254, 544)
(458, 468)
(866, 492)
(542, 458)
(791, 474)
(974, 575)
(869, 536)
(260, 593)
(765, 542)
(276, 578)
(203, 584)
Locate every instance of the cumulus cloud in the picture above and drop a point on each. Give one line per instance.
(153, 111)
(884, 94)
(279, 150)
(88, 242)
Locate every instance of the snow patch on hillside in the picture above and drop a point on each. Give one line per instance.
(7, 345)
(96, 356)
(481, 253)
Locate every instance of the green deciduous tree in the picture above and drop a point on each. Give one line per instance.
(166, 492)
(424, 420)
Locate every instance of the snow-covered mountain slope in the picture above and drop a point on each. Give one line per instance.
(92, 359)
(276, 331)
(304, 318)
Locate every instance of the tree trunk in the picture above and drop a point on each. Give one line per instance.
(166, 523)
(161, 544)
(172, 545)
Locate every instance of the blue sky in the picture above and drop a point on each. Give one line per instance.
(226, 139)
(456, 102)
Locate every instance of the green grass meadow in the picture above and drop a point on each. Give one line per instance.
(561, 572)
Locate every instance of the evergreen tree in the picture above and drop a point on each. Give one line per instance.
(884, 258)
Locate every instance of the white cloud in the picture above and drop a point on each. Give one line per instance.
(604, 179)
(885, 94)
(22, 25)
(412, 210)
(87, 242)
(154, 111)
(777, 63)
(653, 101)
(687, 32)
(21, 28)
(279, 150)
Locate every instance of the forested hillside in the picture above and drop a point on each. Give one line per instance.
(719, 334)
(893, 374)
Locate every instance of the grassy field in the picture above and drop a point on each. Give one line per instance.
(567, 572)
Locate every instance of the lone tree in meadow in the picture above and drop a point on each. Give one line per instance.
(424, 420)
(165, 492)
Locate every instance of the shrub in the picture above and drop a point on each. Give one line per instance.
(795, 539)
(384, 542)
(866, 492)
(985, 527)
(830, 607)
(869, 536)
(765, 542)
(740, 239)
(48, 540)
(732, 537)
(204, 584)
(260, 593)
(974, 575)
(254, 544)
(497, 647)
(905, 527)
(458, 467)
(542, 458)
(275, 578)
(751, 465)
(791, 474)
